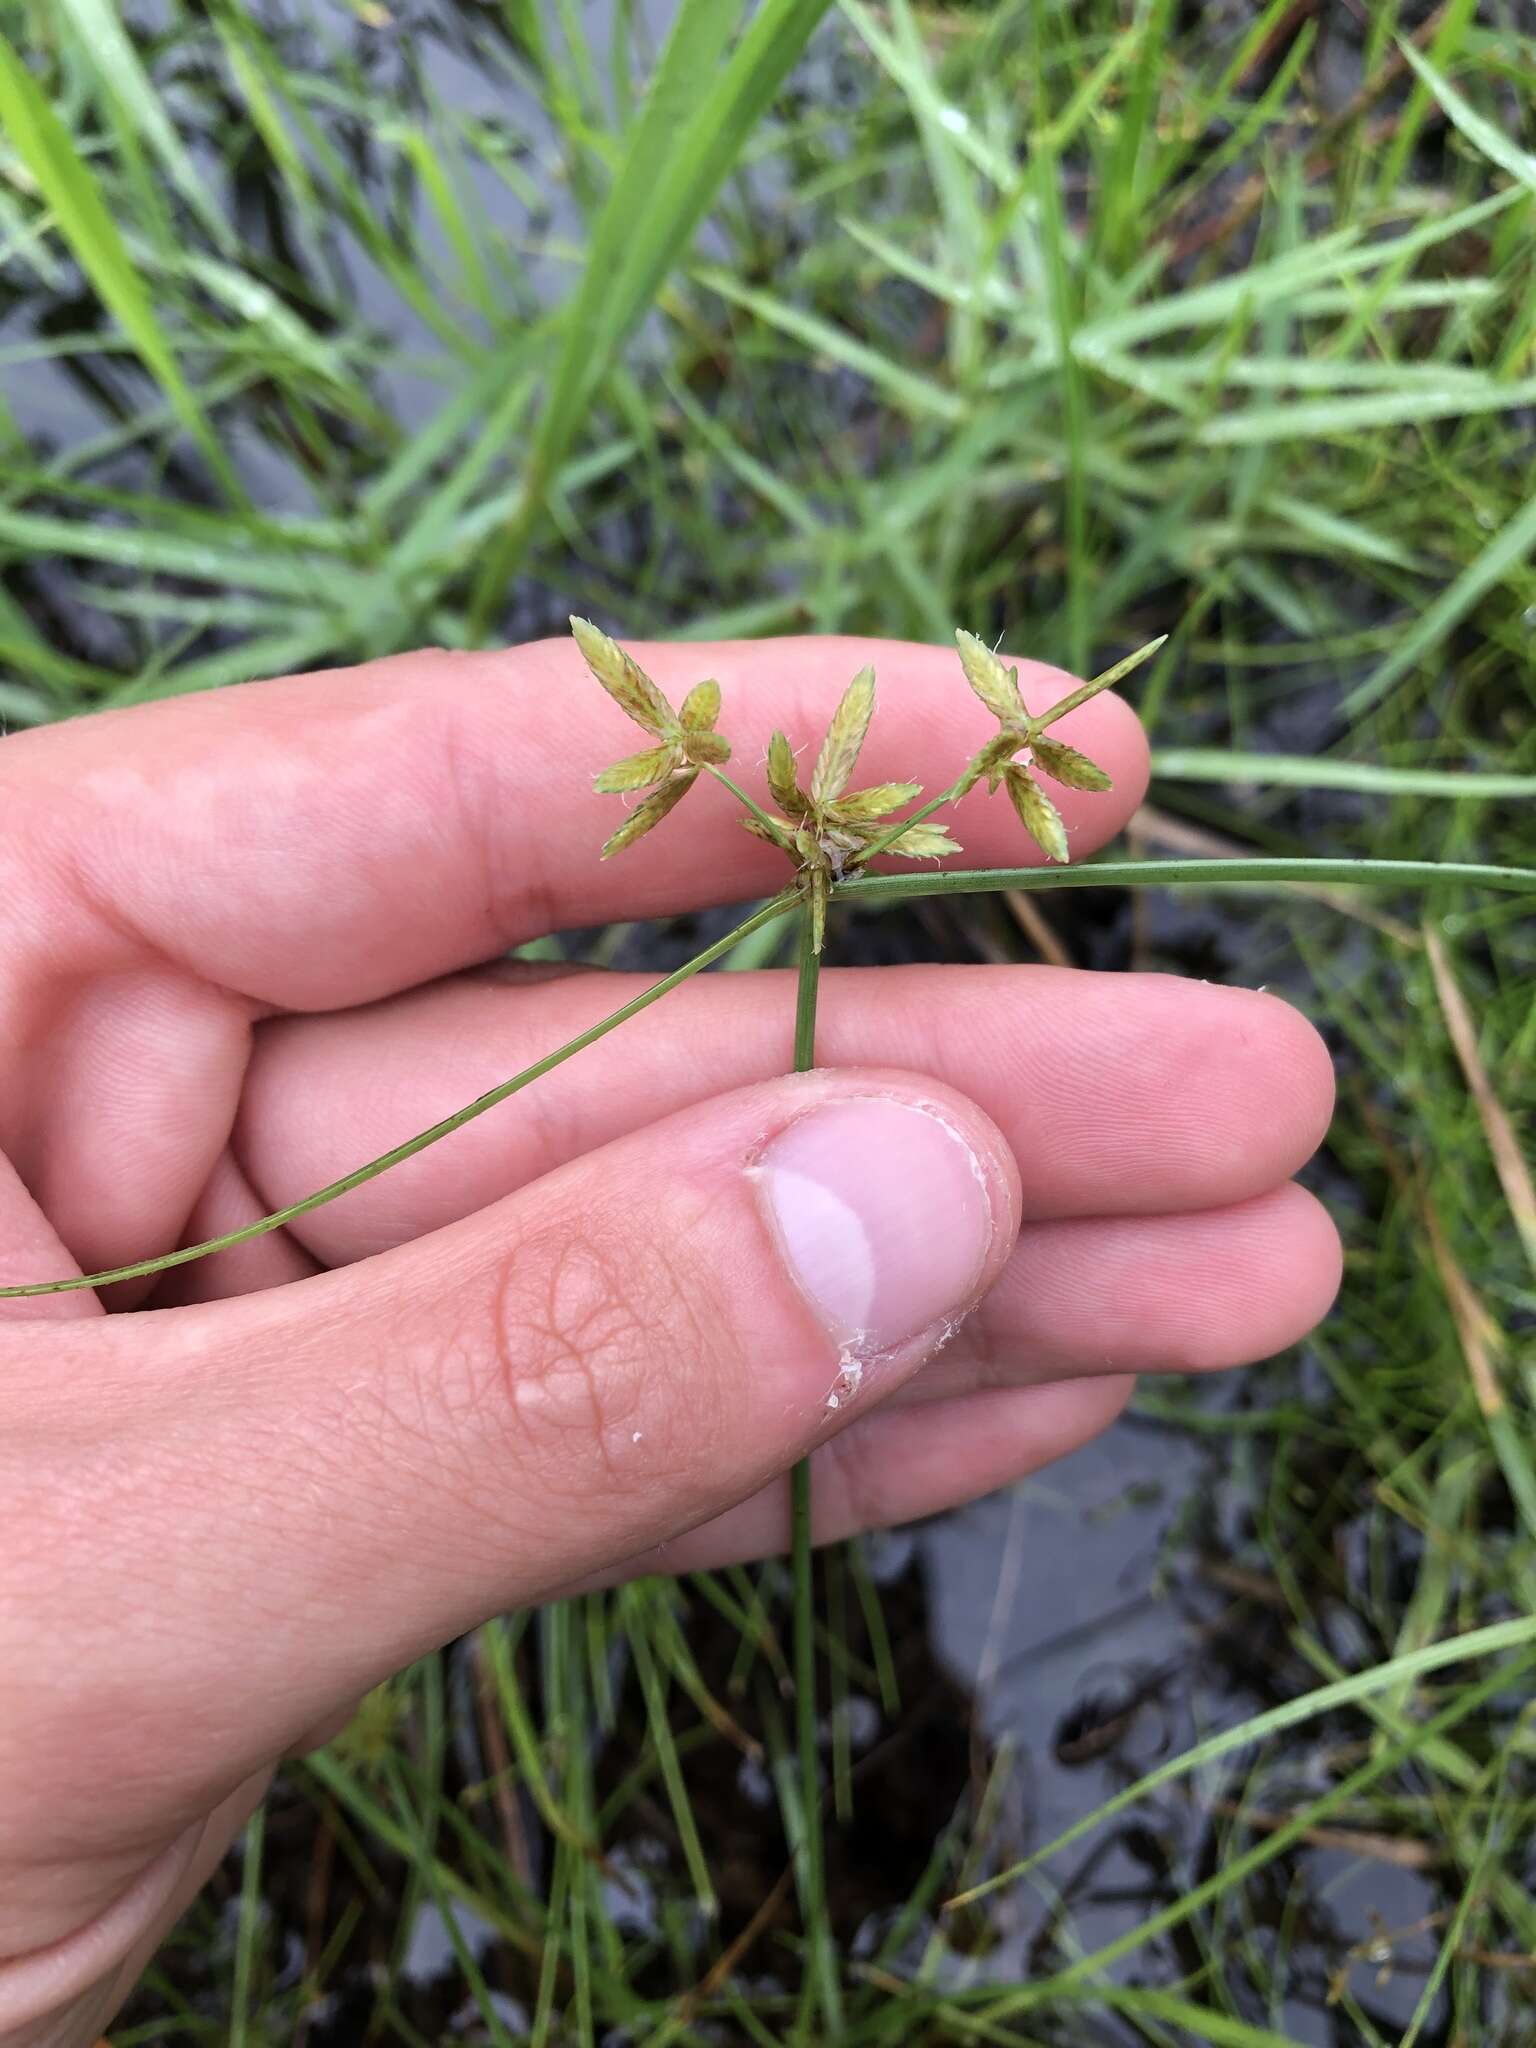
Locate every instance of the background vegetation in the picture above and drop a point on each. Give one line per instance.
(330, 329)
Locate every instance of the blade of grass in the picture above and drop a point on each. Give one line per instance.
(1480, 132)
(247, 1928)
(1160, 874)
(909, 389)
(1455, 18)
(111, 55)
(1337, 255)
(1219, 2028)
(85, 220)
(1061, 258)
(1125, 175)
(1498, 1127)
(658, 1721)
(1305, 771)
(1472, 1900)
(1326, 1699)
(1265, 1852)
(693, 126)
(1484, 573)
(1345, 416)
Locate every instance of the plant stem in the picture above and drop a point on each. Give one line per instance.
(246, 1938)
(1103, 681)
(806, 992)
(778, 906)
(1146, 874)
(809, 1852)
(762, 817)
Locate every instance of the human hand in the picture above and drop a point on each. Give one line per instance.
(584, 1337)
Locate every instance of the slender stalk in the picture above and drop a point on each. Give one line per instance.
(1200, 874)
(1104, 681)
(806, 992)
(1301, 771)
(741, 797)
(810, 1854)
(246, 1937)
(778, 906)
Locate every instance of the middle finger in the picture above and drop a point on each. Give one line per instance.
(1119, 1094)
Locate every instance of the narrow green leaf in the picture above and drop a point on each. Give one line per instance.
(110, 52)
(638, 1633)
(1106, 679)
(316, 578)
(237, 33)
(1250, 290)
(909, 389)
(693, 125)
(1454, 400)
(70, 188)
(1263, 871)
(1326, 1699)
(1301, 771)
(1334, 533)
(1482, 133)
(1506, 551)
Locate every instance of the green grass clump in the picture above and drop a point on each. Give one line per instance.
(336, 329)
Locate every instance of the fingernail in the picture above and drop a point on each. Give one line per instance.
(884, 1215)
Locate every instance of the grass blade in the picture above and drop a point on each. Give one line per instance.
(1480, 132)
(1165, 874)
(107, 48)
(71, 190)
(1505, 552)
(1498, 1637)
(693, 126)
(909, 389)
(1303, 771)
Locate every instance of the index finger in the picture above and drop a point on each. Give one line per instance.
(328, 839)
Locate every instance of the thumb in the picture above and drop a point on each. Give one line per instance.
(295, 1493)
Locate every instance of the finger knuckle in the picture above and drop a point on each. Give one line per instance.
(591, 1353)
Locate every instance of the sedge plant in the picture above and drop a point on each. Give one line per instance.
(828, 832)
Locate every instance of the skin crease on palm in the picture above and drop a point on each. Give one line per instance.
(245, 948)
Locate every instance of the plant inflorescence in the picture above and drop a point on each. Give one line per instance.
(829, 830)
